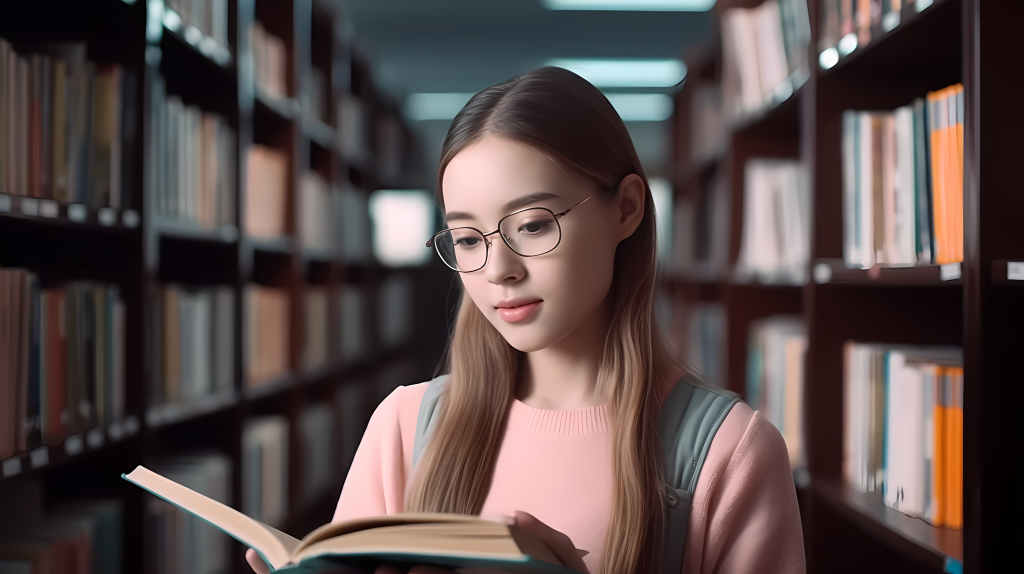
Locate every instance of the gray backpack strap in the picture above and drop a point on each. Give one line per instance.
(425, 420)
(690, 417)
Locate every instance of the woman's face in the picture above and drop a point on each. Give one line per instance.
(534, 302)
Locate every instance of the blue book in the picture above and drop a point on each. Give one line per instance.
(443, 540)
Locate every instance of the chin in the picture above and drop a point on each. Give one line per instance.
(527, 337)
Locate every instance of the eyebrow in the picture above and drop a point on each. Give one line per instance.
(516, 203)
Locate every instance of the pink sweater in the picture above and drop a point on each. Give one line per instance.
(557, 466)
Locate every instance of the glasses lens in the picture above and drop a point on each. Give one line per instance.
(462, 248)
(531, 232)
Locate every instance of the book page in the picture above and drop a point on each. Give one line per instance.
(274, 546)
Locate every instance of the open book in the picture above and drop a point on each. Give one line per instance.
(444, 540)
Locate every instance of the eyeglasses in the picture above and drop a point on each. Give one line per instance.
(528, 233)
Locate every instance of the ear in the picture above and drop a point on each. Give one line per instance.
(630, 199)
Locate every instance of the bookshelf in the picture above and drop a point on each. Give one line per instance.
(974, 304)
(141, 248)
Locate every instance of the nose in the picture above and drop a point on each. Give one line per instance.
(503, 265)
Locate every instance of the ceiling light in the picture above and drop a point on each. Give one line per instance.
(420, 107)
(625, 73)
(642, 107)
(632, 5)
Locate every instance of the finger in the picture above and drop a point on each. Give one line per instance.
(559, 543)
(255, 562)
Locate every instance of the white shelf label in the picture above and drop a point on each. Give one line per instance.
(73, 444)
(40, 457)
(949, 271)
(77, 212)
(94, 438)
(30, 206)
(49, 208)
(1015, 270)
(822, 273)
(130, 218)
(107, 216)
(12, 466)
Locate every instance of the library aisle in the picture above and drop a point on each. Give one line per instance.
(202, 269)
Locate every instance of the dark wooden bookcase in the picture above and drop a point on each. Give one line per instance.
(138, 249)
(968, 41)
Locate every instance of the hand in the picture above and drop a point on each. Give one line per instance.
(559, 543)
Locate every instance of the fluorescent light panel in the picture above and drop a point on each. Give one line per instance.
(632, 5)
(442, 106)
(642, 107)
(625, 73)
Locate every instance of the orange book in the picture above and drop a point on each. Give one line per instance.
(938, 118)
(940, 455)
(957, 161)
(955, 449)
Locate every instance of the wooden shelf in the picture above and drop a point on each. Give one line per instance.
(283, 109)
(185, 229)
(175, 413)
(48, 212)
(319, 133)
(922, 43)
(201, 47)
(73, 447)
(834, 272)
(269, 389)
(941, 549)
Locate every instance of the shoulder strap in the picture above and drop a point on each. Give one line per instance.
(690, 417)
(425, 419)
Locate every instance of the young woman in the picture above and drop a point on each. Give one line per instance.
(557, 368)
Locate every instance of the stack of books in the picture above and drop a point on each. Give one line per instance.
(63, 126)
(700, 232)
(903, 192)
(904, 428)
(764, 51)
(62, 353)
(776, 240)
(266, 192)
(196, 327)
(316, 426)
(318, 213)
(208, 17)
(267, 334)
(265, 469)
(317, 328)
(182, 542)
(270, 62)
(775, 378)
(84, 536)
(192, 156)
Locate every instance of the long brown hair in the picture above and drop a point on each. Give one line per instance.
(567, 118)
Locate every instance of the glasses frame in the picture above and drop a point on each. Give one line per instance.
(487, 242)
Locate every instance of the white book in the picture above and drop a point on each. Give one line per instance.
(865, 193)
(906, 229)
(739, 31)
(771, 51)
(904, 488)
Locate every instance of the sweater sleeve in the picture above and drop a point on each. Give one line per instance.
(745, 516)
(376, 480)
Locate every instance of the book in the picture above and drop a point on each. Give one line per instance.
(775, 246)
(65, 123)
(903, 183)
(270, 62)
(267, 334)
(775, 379)
(61, 360)
(265, 192)
(903, 428)
(443, 540)
(317, 328)
(764, 54)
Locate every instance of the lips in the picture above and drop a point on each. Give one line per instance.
(518, 309)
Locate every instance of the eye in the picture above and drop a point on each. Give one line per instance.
(468, 242)
(534, 227)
